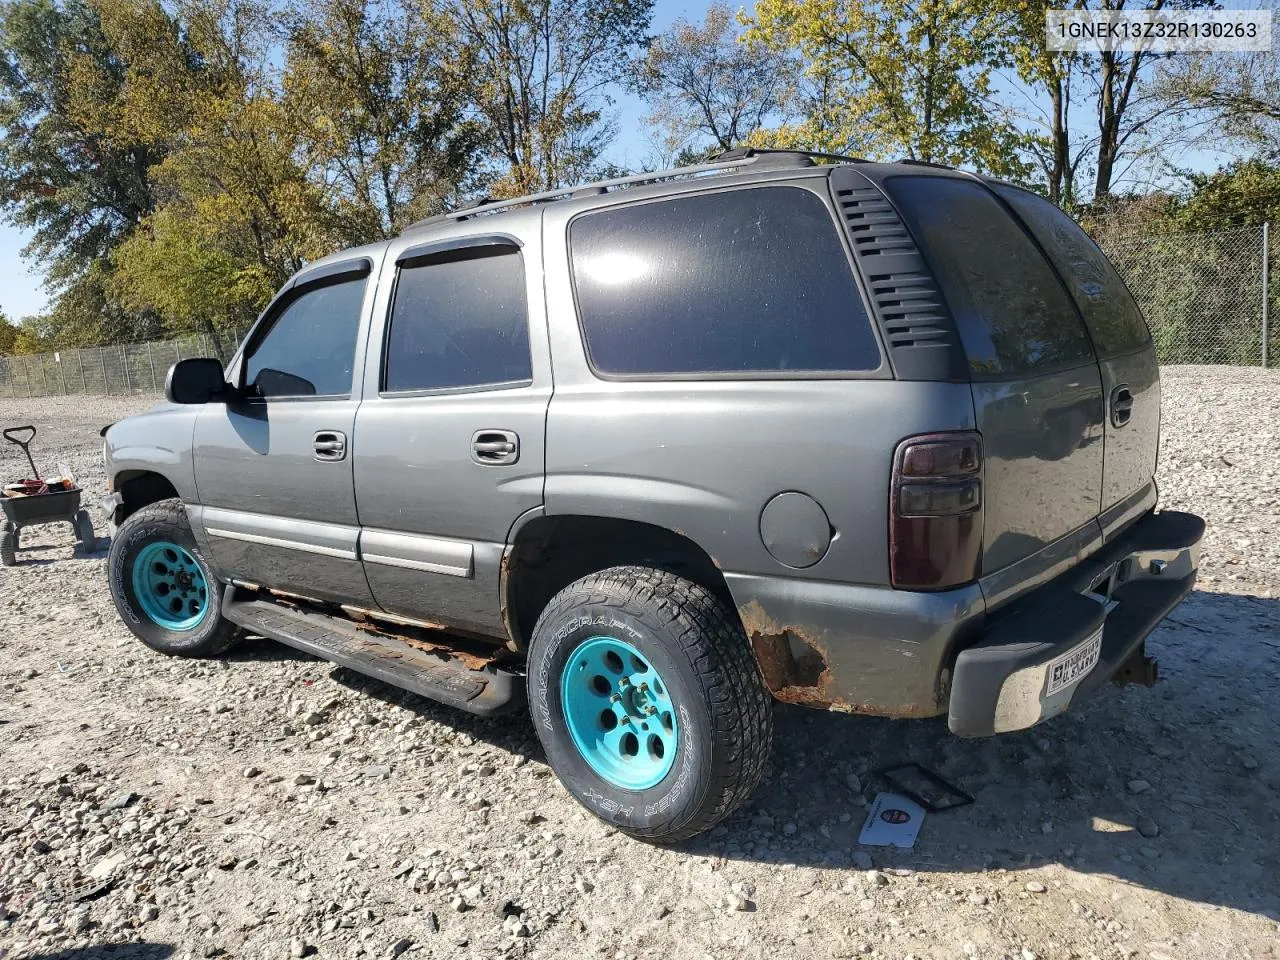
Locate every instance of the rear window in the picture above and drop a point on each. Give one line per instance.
(1110, 313)
(1013, 315)
(740, 282)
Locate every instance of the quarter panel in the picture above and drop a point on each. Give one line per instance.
(704, 458)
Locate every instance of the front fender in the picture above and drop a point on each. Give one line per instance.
(156, 442)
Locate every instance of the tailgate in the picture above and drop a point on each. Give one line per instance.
(1037, 387)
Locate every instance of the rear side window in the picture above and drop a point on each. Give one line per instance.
(1110, 313)
(744, 282)
(1013, 315)
(459, 322)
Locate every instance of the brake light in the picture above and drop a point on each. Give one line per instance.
(935, 511)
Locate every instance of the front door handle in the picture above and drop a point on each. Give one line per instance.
(1121, 405)
(329, 445)
(491, 448)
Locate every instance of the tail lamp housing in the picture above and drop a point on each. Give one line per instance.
(935, 511)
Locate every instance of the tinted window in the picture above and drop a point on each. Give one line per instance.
(311, 346)
(1013, 315)
(1112, 316)
(459, 323)
(743, 281)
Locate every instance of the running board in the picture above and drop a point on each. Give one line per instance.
(430, 670)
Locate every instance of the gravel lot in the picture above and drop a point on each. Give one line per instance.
(269, 805)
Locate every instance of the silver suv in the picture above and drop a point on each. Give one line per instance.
(651, 453)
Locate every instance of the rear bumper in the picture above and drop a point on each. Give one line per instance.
(892, 653)
(1006, 681)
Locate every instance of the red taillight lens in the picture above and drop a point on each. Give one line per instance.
(935, 511)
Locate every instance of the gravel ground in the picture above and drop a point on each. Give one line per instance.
(270, 805)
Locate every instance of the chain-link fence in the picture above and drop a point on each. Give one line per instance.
(1205, 295)
(117, 369)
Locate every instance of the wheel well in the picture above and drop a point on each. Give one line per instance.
(138, 488)
(552, 552)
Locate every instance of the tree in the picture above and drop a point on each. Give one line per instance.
(1238, 94)
(8, 335)
(238, 196)
(1040, 69)
(703, 82)
(384, 97)
(539, 73)
(895, 77)
(80, 191)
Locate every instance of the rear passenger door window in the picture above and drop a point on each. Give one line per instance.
(751, 282)
(459, 320)
(1014, 317)
(1109, 310)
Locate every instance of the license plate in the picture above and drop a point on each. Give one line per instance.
(1074, 665)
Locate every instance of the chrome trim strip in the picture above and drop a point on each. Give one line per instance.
(425, 565)
(453, 558)
(279, 542)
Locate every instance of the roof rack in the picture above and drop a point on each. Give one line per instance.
(745, 152)
(729, 160)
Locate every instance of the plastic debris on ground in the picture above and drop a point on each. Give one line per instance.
(892, 821)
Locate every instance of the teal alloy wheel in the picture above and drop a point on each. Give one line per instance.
(170, 587)
(619, 713)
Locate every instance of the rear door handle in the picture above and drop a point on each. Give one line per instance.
(329, 445)
(491, 448)
(1121, 405)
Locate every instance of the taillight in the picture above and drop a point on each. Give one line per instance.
(935, 511)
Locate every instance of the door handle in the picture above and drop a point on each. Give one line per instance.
(329, 445)
(491, 448)
(1121, 405)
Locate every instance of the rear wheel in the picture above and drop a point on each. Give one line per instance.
(648, 701)
(163, 588)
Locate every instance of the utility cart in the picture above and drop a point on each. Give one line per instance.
(34, 500)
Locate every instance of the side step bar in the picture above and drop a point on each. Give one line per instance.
(488, 691)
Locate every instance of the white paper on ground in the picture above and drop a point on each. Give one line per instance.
(892, 821)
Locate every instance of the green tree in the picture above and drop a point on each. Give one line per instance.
(80, 191)
(8, 335)
(384, 96)
(539, 73)
(896, 77)
(704, 83)
(241, 204)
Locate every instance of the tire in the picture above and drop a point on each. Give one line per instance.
(715, 751)
(8, 544)
(163, 588)
(83, 525)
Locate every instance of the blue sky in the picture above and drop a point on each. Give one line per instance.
(22, 293)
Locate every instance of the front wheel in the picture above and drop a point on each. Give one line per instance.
(164, 590)
(648, 702)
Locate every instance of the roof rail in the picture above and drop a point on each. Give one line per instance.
(730, 160)
(601, 186)
(747, 152)
(924, 163)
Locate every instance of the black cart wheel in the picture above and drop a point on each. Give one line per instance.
(164, 589)
(648, 701)
(8, 544)
(83, 524)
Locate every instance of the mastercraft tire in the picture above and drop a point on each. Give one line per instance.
(164, 590)
(648, 702)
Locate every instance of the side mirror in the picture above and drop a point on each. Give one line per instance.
(198, 380)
